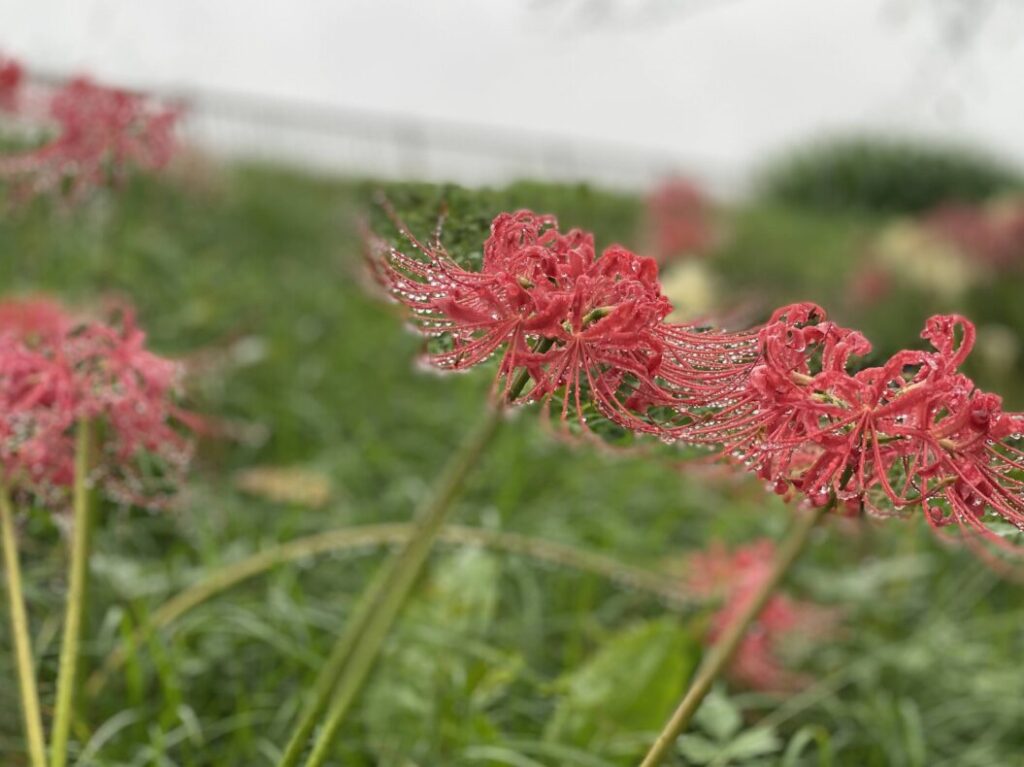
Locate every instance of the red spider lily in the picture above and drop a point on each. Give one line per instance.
(34, 318)
(588, 331)
(734, 577)
(679, 218)
(712, 573)
(992, 235)
(11, 78)
(101, 133)
(478, 313)
(607, 329)
(758, 663)
(913, 432)
(869, 286)
(57, 370)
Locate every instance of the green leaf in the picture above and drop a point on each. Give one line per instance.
(464, 591)
(629, 685)
(718, 717)
(804, 737)
(758, 741)
(749, 744)
(697, 749)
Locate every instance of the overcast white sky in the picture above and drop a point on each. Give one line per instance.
(721, 81)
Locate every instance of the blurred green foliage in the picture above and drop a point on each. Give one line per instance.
(883, 175)
(630, 685)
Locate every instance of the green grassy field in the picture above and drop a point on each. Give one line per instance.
(501, 659)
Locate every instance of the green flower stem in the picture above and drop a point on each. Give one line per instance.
(338, 658)
(723, 650)
(22, 642)
(357, 648)
(385, 595)
(411, 560)
(77, 578)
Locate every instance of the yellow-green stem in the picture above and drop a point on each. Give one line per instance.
(412, 557)
(22, 642)
(357, 648)
(78, 572)
(392, 582)
(332, 669)
(721, 653)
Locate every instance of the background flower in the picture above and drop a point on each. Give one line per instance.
(784, 623)
(100, 134)
(57, 369)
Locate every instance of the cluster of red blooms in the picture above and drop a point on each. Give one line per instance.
(589, 333)
(992, 235)
(99, 134)
(679, 218)
(11, 78)
(913, 432)
(583, 331)
(57, 370)
(986, 239)
(734, 577)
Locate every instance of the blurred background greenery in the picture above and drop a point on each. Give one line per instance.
(252, 274)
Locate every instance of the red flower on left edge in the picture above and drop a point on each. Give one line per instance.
(100, 135)
(12, 77)
(56, 370)
(588, 331)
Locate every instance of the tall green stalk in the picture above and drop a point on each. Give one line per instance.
(383, 599)
(78, 572)
(22, 641)
(411, 560)
(723, 650)
(357, 648)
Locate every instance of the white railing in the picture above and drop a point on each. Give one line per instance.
(337, 140)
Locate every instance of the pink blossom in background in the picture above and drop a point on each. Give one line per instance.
(992, 235)
(759, 662)
(712, 573)
(100, 134)
(35, 318)
(57, 369)
(11, 78)
(871, 284)
(679, 218)
(734, 577)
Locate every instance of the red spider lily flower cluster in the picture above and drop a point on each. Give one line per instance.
(11, 79)
(589, 332)
(992, 235)
(57, 370)
(735, 577)
(948, 249)
(99, 135)
(913, 432)
(869, 286)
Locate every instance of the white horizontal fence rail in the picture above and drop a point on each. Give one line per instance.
(332, 139)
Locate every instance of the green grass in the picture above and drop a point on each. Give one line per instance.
(254, 276)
